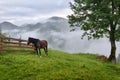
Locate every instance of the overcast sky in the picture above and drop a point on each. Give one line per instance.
(27, 11)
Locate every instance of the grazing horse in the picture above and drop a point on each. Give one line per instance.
(38, 44)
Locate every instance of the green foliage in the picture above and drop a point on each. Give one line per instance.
(57, 66)
(98, 18)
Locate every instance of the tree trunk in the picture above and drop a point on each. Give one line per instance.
(112, 57)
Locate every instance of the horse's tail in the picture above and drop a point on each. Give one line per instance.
(46, 45)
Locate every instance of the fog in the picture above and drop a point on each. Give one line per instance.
(71, 42)
(57, 32)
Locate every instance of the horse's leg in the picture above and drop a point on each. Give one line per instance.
(36, 51)
(39, 52)
(46, 51)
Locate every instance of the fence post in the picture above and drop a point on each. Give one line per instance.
(0, 44)
(20, 41)
(9, 38)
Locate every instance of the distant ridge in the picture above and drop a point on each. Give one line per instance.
(56, 18)
(7, 25)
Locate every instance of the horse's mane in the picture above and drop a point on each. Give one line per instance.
(33, 39)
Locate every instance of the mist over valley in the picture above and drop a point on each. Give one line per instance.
(56, 31)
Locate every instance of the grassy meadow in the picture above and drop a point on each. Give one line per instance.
(57, 66)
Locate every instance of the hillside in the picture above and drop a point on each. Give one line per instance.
(57, 66)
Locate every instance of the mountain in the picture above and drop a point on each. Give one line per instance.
(7, 26)
(56, 19)
(55, 24)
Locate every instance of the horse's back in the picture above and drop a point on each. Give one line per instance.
(43, 43)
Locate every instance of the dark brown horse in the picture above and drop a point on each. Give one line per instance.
(38, 44)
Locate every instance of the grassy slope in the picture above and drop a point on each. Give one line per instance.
(57, 66)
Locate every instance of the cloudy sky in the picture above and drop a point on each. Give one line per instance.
(24, 11)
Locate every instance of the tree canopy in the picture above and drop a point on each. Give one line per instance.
(98, 18)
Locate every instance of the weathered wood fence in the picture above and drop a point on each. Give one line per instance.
(13, 44)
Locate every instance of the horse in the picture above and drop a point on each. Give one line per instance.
(38, 44)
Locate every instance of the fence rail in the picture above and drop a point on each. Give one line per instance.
(13, 44)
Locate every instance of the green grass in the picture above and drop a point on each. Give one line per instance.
(57, 66)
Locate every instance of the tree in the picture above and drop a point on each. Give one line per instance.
(98, 19)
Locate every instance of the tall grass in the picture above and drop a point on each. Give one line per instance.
(57, 66)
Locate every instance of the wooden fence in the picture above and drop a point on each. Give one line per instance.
(13, 44)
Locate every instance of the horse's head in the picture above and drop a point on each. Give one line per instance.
(29, 41)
